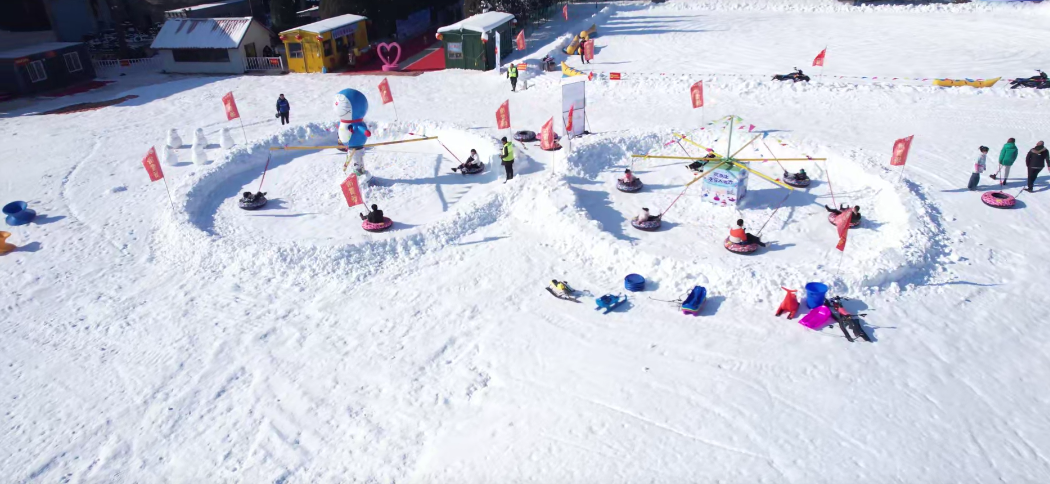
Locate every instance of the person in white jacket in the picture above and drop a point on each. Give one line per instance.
(981, 165)
(643, 216)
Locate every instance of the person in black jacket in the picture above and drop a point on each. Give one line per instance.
(375, 216)
(1037, 158)
(282, 109)
(853, 219)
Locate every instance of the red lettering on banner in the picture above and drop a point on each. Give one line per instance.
(900, 151)
(697, 94)
(231, 107)
(351, 191)
(503, 115)
(384, 92)
(152, 165)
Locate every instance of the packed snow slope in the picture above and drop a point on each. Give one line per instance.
(190, 341)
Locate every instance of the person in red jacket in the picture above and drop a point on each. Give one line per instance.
(1037, 158)
(738, 235)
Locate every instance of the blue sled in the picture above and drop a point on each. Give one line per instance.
(695, 301)
(609, 302)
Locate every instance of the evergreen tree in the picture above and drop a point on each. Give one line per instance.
(283, 15)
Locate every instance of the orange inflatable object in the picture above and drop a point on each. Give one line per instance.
(4, 246)
(789, 305)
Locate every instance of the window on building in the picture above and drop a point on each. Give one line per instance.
(295, 50)
(327, 48)
(36, 71)
(73, 62)
(340, 44)
(200, 55)
(249, 50)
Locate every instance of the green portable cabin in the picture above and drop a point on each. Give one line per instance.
(471, 42)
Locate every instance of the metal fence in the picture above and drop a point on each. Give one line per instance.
(150, 64)
(254, 64)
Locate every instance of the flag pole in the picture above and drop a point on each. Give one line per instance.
(169, 195)
(395, 109)
(245, 133)
(822, 62)
(265, 168)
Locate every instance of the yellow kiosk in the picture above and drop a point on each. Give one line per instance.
(325, 45)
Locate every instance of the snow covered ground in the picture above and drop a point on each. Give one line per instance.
(287, 345)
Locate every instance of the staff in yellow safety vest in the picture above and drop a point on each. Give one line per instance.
(507, 157)
(512, 73)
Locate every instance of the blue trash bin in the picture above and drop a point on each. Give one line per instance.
(634, 282)
(815, 292)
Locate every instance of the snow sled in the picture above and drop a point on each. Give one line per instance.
(998, 199)
(525, 135)
(634, 186)
(609, 302)
(649, 225)
(252, 202)
(556, 147)
(1035, 82)
(473, 170)
(831, 218)
(569, 294)
(740, 248)
(794, 180)
(694, 301)
(816, 318)
(796, 76)
(374, 227)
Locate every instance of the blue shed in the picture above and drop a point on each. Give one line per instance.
(44, 67)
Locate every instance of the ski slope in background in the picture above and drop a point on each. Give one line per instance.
(214, 345)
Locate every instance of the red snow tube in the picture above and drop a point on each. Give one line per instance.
(831, 218)
(998, 199)
(374, 227)
(740, 248)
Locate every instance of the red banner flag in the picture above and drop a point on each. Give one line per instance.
(520, 40)
(588, 50)
(568, 124)
(547, 135)
(152, 165)
(819, 60)
(351, 191)
(503, 115)
(697, 93)
(842, 223)
(900, 151)
(384, 92)
(565, 11)
(231, 107)
(614, 76)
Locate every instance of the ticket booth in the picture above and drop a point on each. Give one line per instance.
(326, 45)
(726, 186)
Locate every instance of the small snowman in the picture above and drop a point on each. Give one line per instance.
(170, 158)
(225, 140)
(199, 156)
(174, 140)
(199, 140)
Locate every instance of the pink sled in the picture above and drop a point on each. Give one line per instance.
(816, 318)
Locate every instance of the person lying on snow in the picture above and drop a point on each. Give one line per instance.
(738, 235)
(249, 198)
(853, 219)
(628, 177)
(471, 163)
(375, 216)
(644, 216)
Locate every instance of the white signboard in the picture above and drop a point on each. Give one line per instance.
(574, 95)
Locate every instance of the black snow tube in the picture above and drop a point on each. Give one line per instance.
(650, 225)
(473, 170)
(525, 135)
(252, 204)
(632, 187)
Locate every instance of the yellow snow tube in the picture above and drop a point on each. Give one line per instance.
(567, 71)
(571, 49)
(966, 82)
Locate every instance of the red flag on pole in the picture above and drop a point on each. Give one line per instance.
(565, 11)
(231, 107)
(842, 223)
(900, 151)
(384, 92)
(520, 40)
(697, 93)
(351, 191)
(547, 135)
(152, 165)
(819, 60)
(568, 124)
(503, 115)
(588, 50)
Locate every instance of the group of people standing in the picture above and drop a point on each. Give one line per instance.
(1035, 160)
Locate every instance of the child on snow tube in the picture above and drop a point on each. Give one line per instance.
(375, 216)
(471, 165)
(628, 178)
(739, 236)
(853, 219)
(801, 176)
(250, 201)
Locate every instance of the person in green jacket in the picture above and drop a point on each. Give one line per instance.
(1007, 155)
(507, 157)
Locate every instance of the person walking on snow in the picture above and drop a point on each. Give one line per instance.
(1037, 158)
(282, 109)
(978, 167)
(1007, 155)
(507, 156)
(512, 73)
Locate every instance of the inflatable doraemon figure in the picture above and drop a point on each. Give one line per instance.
(351, 107)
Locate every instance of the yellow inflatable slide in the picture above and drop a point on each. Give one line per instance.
(966, 82)
(586, 34)
(567, 71)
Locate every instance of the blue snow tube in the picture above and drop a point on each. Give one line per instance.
(815, 292)
(634, 282)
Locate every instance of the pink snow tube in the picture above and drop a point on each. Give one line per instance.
(831, 218)
(998, 199)
(740, 248)
(373, 227)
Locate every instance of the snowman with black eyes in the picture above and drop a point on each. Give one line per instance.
(351, 106)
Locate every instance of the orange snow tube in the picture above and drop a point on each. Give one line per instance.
(966, 82)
